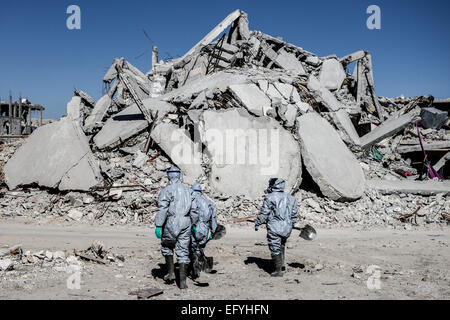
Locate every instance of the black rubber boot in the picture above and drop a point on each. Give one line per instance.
(277, 262)
(183, 272)
(170, 276)
(283, 249)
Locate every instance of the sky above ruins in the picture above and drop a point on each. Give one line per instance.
(44, 61)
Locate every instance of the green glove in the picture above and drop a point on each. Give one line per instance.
(194, 231)
(158, 232)
(210, 236)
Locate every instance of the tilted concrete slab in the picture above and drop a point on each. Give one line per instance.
(183, 152)
(246, 151)
(129, 122)
(387, 128)
(74, 108)
(253, 99)
(426, 188)
(98, 113)
(56, 155)
(325, 95)
(214, 33)
(345, 125)
(328, 160)
(332, 74)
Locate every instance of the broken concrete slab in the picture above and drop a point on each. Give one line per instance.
(141, 159)
(332, 74)
(432, 118)
(74, 108)
(246, 151)
(328, 160)
(60, 148)
(129, 122)
(289, 62)
(183, 152)
(85, 97)
(249, 95)
(215, 32)
(324, 95)
(426, 146)
(99, 111)
(426, 188)
(438, 166)
(387, 128)
(346, 127)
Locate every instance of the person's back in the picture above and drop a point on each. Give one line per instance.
(283, 211)
(173, 224)
(204, 215)
(279, 212)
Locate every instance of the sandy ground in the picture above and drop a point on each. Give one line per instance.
(412, 264)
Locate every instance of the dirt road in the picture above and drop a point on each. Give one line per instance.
(412, 264)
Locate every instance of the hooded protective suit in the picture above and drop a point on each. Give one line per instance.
(174, 204)
(279, 212)
(203, 214)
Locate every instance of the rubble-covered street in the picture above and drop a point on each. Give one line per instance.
(79, 195)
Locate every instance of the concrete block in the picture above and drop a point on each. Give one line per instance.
(249, 95)
(246, 151)
(328, 160)
(332, 74)
(289, 62)
(432, 118)
(59, 148)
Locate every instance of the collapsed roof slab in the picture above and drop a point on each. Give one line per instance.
(387, 128)
(129, 122)
(425, 188)
(183, 152)
(246, 151)
(59, 148)
(328, 160)
(220, 80)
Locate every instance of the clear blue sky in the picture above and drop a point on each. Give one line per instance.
(44, 60)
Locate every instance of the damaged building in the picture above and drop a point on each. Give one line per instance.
(16, 117)
(334, 134)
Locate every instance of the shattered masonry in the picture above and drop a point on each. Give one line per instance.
(331, 123)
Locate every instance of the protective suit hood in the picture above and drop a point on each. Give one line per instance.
(275, 185)
(174, 174)
(196, 187)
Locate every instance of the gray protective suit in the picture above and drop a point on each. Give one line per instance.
(203, 215)
(174, 204)
(279, 212)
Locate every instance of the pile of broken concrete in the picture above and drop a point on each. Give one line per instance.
(336, 142)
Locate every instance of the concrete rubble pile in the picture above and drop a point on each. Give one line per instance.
(348, 155)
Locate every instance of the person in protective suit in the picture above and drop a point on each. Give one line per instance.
(173, 224)
(204, 221)
(279, 212)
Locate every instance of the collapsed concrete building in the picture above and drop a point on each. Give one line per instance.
(295, 115)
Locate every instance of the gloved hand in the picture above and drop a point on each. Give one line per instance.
(194, 231)
(256, 228)
(158, 232)
(210, 236)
